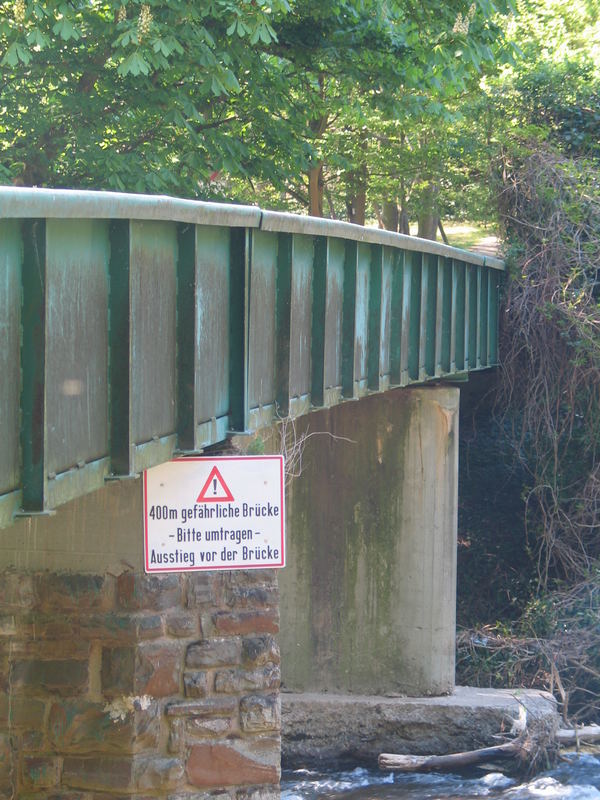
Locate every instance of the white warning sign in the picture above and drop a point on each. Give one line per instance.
(214, 513)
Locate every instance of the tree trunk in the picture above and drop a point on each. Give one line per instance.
(315, 191)
(428, 215)
(356, 207)
(404, 223)
(443, 232)
(356, 200)
(428, 224)
(390, 215)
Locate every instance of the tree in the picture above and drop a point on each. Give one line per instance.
(364, 68)
(128, 95)
(227, 98)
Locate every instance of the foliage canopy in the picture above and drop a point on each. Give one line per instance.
(230, 98)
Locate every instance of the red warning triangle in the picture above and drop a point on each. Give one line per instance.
(215, 490)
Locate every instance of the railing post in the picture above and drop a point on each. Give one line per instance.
(186, 324)
(374, 334)
(349, 319)
(33, 366)
(241, 241)
(283, 321)
(396, 321)
(119, 304)
(319, 306)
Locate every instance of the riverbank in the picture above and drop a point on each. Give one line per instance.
(318, 728)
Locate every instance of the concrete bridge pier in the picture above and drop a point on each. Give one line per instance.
(368, 596)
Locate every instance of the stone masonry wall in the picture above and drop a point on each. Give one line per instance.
(120, 686)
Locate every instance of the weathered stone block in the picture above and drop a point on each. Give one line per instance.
(41, 772)
(260, 713)
(117, 671)
(182, 624)
(214, 652)
(195, 684)
(32, 741)
(260, 650)
(205, 728)
(66, 677)
(121, 628)
(25, 712)
(252, 596)
(82, 727)
(176, 735)
(158, 669)
(148, 626)
(216, 765)
(105, 774)
(37, 648)
(232, 681)
(200, 590)
(148, 592)
(251, 577)
(108, 627)
(55, 626)
(71, 591)
(208, 707)
(155, 773)
(244, 622)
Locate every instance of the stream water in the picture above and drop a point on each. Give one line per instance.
(576, 778)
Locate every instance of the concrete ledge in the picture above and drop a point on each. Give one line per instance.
(317, 727)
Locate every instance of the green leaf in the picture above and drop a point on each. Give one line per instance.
(65, 29)
(36, 38)
(229, 81)
(134, 64)
(11, 57)
(217, 87)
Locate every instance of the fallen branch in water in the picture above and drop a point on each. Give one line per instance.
(588, 733)
(409, 763)
(517, 748)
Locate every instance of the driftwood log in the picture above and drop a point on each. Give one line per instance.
(588, 733)
(408, 763)
(518, 747)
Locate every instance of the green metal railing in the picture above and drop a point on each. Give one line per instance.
(134, 327)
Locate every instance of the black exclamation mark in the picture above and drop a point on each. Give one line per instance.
(214, 485)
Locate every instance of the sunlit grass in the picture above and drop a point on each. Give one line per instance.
(468, 236)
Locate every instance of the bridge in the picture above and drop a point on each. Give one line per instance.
(138, 328)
